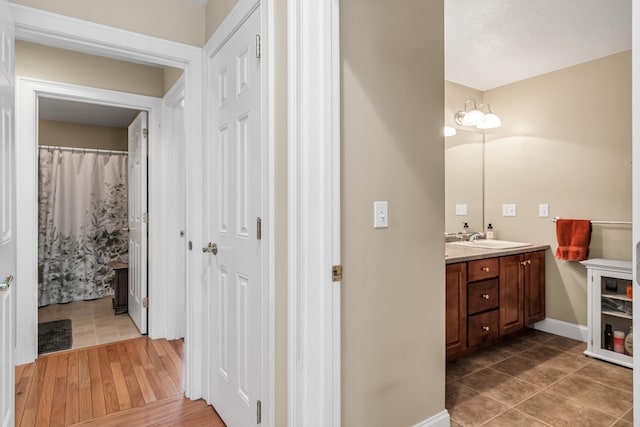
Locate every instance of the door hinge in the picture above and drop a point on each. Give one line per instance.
(145, 217)
(145, 302)
(337, 273)
(259, 228)
(259, 414)
(145, 132)
(258, 47)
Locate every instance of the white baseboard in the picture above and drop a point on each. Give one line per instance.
(438, 420)
(565, 329)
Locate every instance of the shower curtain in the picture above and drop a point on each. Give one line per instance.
(82, 198)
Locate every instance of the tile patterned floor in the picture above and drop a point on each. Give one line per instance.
(538, 379)
(93, 322)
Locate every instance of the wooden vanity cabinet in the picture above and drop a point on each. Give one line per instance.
(456, 308)
(534, 308)
(490, 298)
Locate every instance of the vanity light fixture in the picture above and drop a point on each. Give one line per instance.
(475, 116)
(449, 131)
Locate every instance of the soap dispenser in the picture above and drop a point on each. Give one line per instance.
(490, 235)
(465, 226)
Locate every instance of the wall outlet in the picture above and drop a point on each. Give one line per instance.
(461, 210)
(543, 211)
(380, 215)
(509, 210)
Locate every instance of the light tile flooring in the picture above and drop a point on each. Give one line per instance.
(538, 379)
(92, 322)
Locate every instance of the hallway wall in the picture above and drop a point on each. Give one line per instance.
(177, 20)
(60, 65)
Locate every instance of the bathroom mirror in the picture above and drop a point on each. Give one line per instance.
(464, 181)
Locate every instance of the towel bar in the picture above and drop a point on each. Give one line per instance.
(554, 219)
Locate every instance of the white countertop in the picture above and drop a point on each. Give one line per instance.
(455, 253)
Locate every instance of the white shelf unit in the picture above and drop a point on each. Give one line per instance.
(618, 274)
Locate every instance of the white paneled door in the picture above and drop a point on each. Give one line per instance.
(137, 196)
(7, 219)
(234, 202)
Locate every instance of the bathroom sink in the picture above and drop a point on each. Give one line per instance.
(492, 244)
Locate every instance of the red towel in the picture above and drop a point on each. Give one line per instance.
(573, 237)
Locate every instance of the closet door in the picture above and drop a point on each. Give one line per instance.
(7, 219)
(137, 196)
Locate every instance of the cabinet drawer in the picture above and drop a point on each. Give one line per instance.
(482, 269)
(482, 296)
(483, 328)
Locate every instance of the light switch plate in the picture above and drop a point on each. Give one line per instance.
(509, 210)
(543, 211)
(461, 210)
(380, 215)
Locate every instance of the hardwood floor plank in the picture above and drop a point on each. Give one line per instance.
(18, 373)
(97, 390)
(145, 387)
(165, 379)
(85, 405)
(22, 390)
(46, 394)
(58, 407)
(124, 400)
(72, 404)
(152, 376)
(133, 387)
(108, 386)
(33, 399)
(175, 360)
(176, 376)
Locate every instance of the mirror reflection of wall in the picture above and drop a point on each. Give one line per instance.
(464, 160)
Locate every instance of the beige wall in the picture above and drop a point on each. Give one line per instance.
(47, 63)
(64, 134)
(178, 20)
(392, 149)
(170, 77)
(565, 141)
(216, 11)
(463, 163)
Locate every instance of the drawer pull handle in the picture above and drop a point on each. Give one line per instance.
(486, 296)
(485, 269)
(486, 328)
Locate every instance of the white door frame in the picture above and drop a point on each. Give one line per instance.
(314, 213)
(60, 31)
(227, 28)
(28, 92)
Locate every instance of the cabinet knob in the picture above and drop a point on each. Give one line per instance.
(485, 269)
(529, 261)
(486, 296)
(523, 262)
(486, 328)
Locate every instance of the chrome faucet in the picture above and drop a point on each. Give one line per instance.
(475, 236)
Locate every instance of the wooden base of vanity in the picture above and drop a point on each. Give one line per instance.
(491, 298)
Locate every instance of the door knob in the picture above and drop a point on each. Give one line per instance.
(211, 248)
(7, 283)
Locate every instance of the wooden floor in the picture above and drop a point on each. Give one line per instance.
(137, 382)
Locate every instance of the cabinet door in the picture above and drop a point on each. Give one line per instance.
(456, 308)
(534, 307)
(511, 294)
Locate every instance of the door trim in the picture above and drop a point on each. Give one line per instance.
(28, 91)
(227, 28)
(55, 30)
(314, 352)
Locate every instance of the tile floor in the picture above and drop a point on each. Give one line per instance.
(538, 379)
(92, 322)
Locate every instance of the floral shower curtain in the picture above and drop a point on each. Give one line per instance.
(82, 211)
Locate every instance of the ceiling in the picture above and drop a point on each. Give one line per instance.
(491, 43)
(80, 112)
